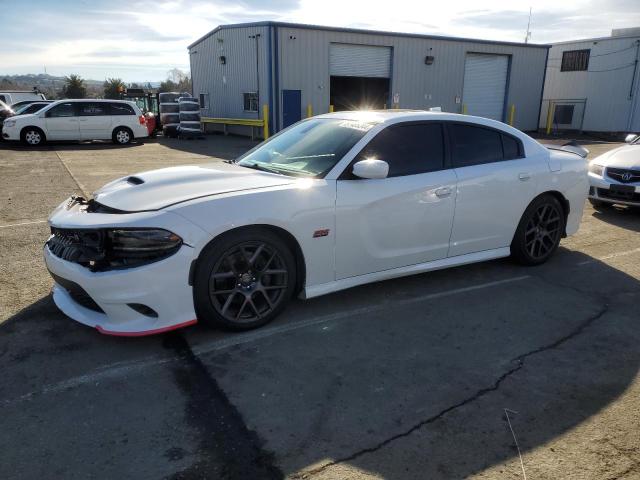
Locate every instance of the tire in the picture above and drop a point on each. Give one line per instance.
(599, 204)
(244, 279)
(539, 231)
(32, 136)
(122, 136)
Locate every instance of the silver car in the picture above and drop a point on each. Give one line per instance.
(614, 177)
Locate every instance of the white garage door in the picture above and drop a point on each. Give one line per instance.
(346, 60)
(485, 83)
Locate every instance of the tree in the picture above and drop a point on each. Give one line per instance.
(113, 87)
(177, 81)
(74, 87)
(168, 86)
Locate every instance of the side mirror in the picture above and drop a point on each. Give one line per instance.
(371, 169)
(630, 138)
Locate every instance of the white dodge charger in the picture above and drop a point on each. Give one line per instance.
(332, 202)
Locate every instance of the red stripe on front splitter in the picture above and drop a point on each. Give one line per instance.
(146, 332)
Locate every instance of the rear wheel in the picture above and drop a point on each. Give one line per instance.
(122, 136)
(244, 280)
(32, 136)
(539, 231)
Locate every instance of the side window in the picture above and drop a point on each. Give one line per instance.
(204, 100)
(250, 102)
(471, 145)
(62, 110)
(408, 149)
(121, 109)
(511, 148)
(92, 109)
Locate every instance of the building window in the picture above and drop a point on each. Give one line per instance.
(563, 115)
(204, 100)
(575, 61)
(250, 101)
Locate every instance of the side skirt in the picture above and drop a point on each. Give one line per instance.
(325, 288)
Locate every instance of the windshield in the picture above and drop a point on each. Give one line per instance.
(309, 149)
(30, 108)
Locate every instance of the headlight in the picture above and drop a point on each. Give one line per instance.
(128, 248)
(595, 168)
(106, 249)
(9, 123)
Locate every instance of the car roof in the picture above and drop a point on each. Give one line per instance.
(396, 115)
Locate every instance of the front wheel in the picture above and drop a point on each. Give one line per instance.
(244, 280)
(539, 231)
(32, 136)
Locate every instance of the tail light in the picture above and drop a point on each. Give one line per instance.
(142, 119)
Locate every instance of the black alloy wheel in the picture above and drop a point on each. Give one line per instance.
(248, 283)
(539, 232)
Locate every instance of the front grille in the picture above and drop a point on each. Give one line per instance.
(623, 175)
(82, 246)
(617, 195)
(77, 293)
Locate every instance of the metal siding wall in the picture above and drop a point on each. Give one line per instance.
(225, 84)
(305, 66)
(607, 93)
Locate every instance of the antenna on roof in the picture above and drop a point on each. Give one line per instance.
(528, 35)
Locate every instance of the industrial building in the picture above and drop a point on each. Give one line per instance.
(593, 85)
(300, 70)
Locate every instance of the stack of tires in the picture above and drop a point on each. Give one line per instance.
(169, 113)
(189, 117)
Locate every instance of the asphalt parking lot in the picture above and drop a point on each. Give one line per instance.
(404, 379)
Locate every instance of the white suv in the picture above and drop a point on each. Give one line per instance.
(115, 120)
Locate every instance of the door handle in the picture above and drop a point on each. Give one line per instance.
(83, 119)
(524, 176)
(443, 192)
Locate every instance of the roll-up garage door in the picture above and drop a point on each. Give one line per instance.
(485, 84)
(347, 60)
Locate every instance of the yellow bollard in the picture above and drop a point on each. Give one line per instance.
(330, 108)
(309, 111)
(464, 108)
(512, 113)
(550, 112)
(265, 119)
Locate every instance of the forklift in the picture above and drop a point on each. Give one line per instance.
(148, 101)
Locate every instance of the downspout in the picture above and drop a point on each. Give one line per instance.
(276, 59)
(634, 86)
(544, 79)
(270, 80)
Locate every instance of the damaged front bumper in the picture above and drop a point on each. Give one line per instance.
(140, 300)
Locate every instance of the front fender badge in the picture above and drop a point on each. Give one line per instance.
(321, 233)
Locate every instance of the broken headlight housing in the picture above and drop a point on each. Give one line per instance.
(106, 249)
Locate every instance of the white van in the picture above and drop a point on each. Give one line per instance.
(13, 96)
(115, 120)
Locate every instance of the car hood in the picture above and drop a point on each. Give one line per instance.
(627, 156)
(157, 189)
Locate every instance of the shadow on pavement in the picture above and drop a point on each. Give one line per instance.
(623, 217)
(415, 389)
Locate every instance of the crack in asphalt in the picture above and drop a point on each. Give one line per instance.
(520, 360)
(226, 448)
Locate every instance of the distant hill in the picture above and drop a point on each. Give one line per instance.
(51, 85)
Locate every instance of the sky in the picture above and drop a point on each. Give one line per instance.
(140, 40)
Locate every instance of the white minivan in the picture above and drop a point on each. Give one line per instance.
(115, 120)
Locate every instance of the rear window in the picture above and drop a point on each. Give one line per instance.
(511, 148)
(122, 109)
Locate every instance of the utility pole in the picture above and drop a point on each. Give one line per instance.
(528, 35)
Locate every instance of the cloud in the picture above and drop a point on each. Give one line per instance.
(142, 39)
